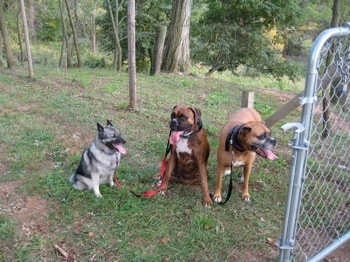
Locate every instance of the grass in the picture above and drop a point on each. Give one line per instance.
(45, 124)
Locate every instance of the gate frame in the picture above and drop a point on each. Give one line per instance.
(300, 144)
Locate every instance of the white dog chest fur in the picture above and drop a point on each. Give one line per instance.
(182, 147)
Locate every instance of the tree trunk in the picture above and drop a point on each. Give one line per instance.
(11, 60)
(131, 55)
(19, 32)
(75, 37)
(156, 62)
(93, 29)
(31, 19)
(117, 60)
(65, 40)
(26, 38)
(177, 47)
(325, 100)
(1, 63)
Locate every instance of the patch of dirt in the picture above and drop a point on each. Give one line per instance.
(283, 96)
(75, 139)
(30, 212)
(248, 255)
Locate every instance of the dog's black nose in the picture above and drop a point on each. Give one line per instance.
(120, 140)
(174, 123)
(273, 142)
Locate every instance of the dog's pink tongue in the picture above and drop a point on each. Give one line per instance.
(270, 155)
(120, 148)
(175, 137)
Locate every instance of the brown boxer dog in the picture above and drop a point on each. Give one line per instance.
(241, 138)
(189, 151)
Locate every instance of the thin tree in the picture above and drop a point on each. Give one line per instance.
(65, 40)
(26, 38)
(177, 47)
(117, 61)
(132, 55)
(325, 99)
(75, 37)
(11, 60)
(157, 56)
(93, 29)
(19, 33)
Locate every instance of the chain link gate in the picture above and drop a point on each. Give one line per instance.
(317, 215)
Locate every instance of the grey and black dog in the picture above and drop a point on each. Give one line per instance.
(100, 161)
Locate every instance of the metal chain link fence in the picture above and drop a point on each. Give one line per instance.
(317, 216)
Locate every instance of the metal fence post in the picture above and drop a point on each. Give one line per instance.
(301, 143)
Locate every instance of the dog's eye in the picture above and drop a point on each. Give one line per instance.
(263, 136)
(183, 117)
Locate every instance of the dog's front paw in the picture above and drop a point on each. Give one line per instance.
(97, 193)
(217, 198)
(162, 192)
(207, 202)
(157, 181)
(246, 197)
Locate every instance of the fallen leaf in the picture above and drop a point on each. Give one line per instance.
(271, 241)
(187, 212)
(77, 230)
(165, 240)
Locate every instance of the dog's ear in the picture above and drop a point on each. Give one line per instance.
(244, 130)
(109, 123)
(197, 116)
(99, 128)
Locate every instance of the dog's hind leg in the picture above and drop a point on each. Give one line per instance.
(78, 182)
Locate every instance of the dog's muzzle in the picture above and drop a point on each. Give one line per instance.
(174, 123)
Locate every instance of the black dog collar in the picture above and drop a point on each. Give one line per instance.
(232, 139)
(199, 128)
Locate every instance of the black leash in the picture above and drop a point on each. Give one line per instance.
(168, 146)
(233, 140)
(229, 190)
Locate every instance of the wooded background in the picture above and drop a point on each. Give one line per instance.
(171, 36)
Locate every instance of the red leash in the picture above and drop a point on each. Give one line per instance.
(116, 182)
(153, 192)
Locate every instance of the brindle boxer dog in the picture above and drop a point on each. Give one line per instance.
(189, 152)
(241, 138)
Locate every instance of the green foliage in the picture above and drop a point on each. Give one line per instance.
(95, 60)
(51, 29)
(150, 15)
(46, 53)
(235, 33)
(316, 13)
(7, 228)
